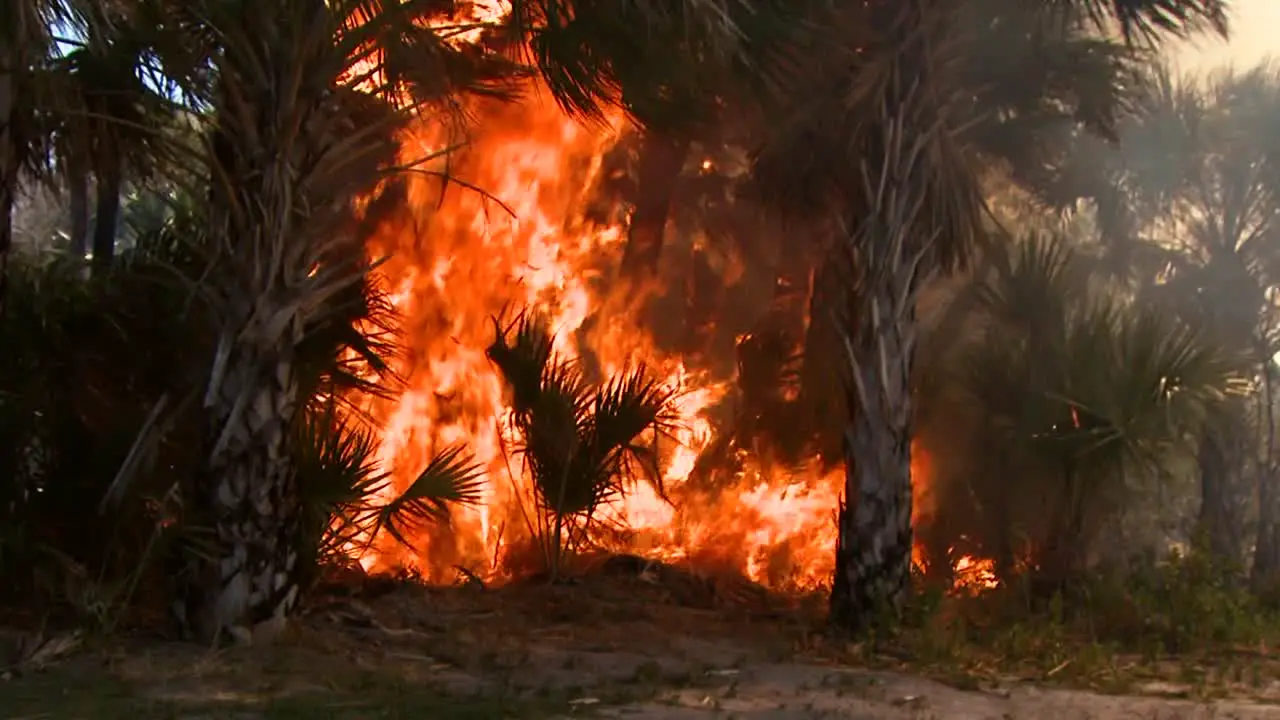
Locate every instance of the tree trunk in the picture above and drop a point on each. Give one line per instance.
(78, 194)
(873, 547)
(106, 218)
(1265, 577)
(249, 492)
(888, 246)
(8, 163)
(661, 160)
(821, 364)
(1219, 521)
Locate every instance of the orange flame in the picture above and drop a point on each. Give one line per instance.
(457, 258)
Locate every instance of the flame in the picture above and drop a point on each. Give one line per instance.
(458, 257)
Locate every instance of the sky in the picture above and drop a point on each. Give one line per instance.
(1255, 34)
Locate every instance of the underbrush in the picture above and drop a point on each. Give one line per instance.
(102, 434)
(1185, 620)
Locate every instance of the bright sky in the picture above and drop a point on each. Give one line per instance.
(1255, 34)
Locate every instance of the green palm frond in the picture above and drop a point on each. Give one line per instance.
(1090, 377)
(1031, 280)
(452, 477)
(655, 59)
(626, 407)
(1147, 21)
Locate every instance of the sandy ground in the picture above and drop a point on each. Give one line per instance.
(616, 651)
(806, 691)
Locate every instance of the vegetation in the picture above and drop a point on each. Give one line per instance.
(579, 439)
(181, 417)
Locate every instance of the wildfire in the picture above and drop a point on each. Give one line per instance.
(457, 258)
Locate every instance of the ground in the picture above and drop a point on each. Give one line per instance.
(643, 645)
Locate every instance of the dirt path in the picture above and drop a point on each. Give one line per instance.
(551, 652)
(800, 691)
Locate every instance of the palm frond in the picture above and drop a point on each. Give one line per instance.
(578, 438)
(452, 477)
(1031, 280)
(338, 479)
(646, 57)
(1147, 21)
(522, 352)
(626, 407)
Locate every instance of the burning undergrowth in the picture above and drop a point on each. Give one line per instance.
(666, 414)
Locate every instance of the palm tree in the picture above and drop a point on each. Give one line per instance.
(285, 160)
(907, 206)
(579, 438)
(111, 129)
(1226, 237)
(25, 44)
(1090, 397)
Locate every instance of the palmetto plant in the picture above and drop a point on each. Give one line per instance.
(1089, 396)
(348, 499)
(580, 439)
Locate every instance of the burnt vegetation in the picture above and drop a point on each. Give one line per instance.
(1000, 235)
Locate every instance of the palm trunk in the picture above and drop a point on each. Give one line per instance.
(8, 163)
(78, 192)
(873, 548)
(888, 248)
(661, 160)
(292, 155)
(106, 217)
(249, 492)
(1218, 522)
(1265, 577)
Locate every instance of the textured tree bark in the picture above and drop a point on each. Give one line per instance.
(907, 207)
(292, 156)
(873, 548)
(1219, 519)
(8, 164)
(106, 218)
(250, 494)
(1265, 577)
(78, 196)
(661, 160)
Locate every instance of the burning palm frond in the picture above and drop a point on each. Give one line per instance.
(343, 489)
(580, 439)
(452, 477)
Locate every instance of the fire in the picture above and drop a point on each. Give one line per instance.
(457, 258)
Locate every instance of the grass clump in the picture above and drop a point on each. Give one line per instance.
(1185, 621)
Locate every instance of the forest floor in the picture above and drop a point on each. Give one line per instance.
(642, 645)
